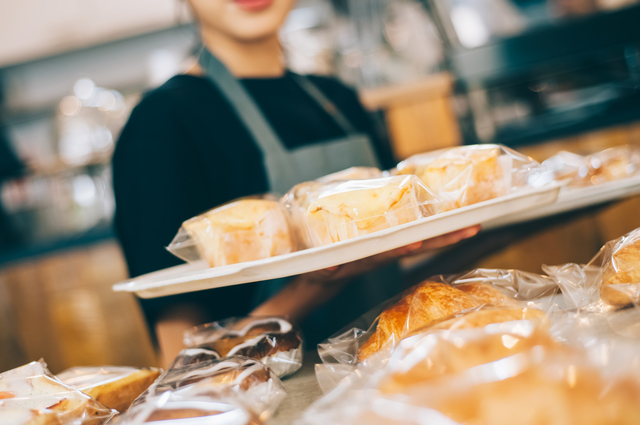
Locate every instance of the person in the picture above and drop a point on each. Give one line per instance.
(238, 124)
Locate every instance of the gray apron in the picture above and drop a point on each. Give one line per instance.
(286, 168)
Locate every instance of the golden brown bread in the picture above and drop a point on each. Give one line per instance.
(425, 303)
(485, 293)
(626, 260)
(576, 396)
(120, 394)
(488, 316)
(449, 356)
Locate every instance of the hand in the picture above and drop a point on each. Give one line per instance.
(338, 273)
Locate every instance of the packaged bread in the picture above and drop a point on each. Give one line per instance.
(115, 387)
(245, 230)
(470, 174)
(189, 407)
(620, 274)
(190, 356)
(31, 395)
(340, 211)
(272, 340)
(422, 305)
(246, 379)
(445, 350)
(353, 173)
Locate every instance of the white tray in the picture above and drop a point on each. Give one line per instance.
(198, 276)
(572, 199)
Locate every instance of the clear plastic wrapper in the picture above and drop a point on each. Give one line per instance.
(190, 356)
(504, 374)
(470, 174)
(115, 387)
(189, 407)
(246, 379)
(272, 340)
(613, 275)
(432, 301)
(31, 395)
(337, 211)
(244, 230)
(608, 165)
(353, 173)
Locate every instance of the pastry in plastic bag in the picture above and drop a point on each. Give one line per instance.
(346, 210)
(272, 340)
(247, 379)
(245, 230)
(189, 407)
(425, 303)
(31, 395)
(470, 174)
(190, 356)
(353, 173)
(621, 271)
(441, 352)
(115, 387)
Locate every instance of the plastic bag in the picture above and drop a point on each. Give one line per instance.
(432, 300)
(246, 379)
(470, 174)
(272, 340)
(244, 230)
(30, 394)
(601, 167)
(503, 374)
(189, 407)
(334, 212)
(613, 275)
(190, 356)
(353, 173)
(115, 387)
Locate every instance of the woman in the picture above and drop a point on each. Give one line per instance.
(238, 124)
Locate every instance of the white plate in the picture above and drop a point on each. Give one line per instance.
(198, 276)
(572, 199)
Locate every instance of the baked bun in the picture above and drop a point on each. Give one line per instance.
(424, 303)
(274, 341)
(461, 176)
(361, 207)
(623, 269)
(192, 411)
(46, 399)
(485, 293)
(245, 230)
(190, 356)
(115, 387)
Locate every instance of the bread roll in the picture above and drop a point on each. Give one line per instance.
(246, 230)
(362, 207)
(622, 269)
(485, 293)
(425, 303)
(115, 387)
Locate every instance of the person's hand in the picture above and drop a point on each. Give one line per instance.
(342, 272)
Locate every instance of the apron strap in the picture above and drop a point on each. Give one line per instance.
(325, 103)
(242, 103)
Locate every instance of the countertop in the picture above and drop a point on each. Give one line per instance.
(303, 390)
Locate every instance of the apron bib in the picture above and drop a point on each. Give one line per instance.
(286, 168)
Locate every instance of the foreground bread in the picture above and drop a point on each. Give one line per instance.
(429, 356)
(623, 269)
(272, 340)
(246, 230)
(44, 399)
(425, 303)
(115, 387)
(361, 207)
(485, 293)
(190, 356)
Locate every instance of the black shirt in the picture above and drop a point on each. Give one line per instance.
(184, 151)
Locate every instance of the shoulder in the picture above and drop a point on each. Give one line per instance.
(172, 96)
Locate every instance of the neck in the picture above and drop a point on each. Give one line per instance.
(246, 59)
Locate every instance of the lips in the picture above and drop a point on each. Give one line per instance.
(253, 5)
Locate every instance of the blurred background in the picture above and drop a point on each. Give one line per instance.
(537, 75)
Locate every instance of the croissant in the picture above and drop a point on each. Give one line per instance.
(425, 303)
